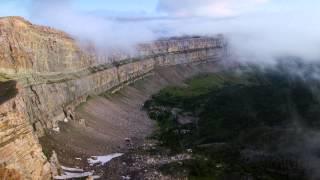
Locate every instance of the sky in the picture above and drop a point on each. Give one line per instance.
(146, 6)
(212, 8)
(258, 31)
(22, 7)
(254, 28)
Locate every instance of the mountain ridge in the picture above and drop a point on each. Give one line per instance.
(53, 76)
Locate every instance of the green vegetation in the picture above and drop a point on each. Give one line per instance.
(194, 92)
(3, 78)
(242, 126)
(8, 88)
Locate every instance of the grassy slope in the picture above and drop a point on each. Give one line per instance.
(236, 115)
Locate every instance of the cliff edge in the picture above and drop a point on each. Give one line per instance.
(45, 75)
(26, 48)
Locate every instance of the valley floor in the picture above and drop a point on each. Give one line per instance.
(115, 123)
(199, 122)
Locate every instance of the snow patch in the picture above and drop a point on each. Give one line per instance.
(102, 160)
(125, 177)
(68, 175)
(71, 169)
(56, 129)
(96, 177)
(73, 173)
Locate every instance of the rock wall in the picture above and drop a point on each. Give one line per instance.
(54, 98)
(20, 150)
(26, 48)
(53, 75)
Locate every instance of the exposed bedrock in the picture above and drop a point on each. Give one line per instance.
(45, 75)
(110, 119)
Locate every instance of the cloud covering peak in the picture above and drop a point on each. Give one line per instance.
(257, 29)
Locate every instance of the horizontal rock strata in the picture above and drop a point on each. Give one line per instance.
(50, 75)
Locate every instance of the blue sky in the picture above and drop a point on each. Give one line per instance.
(267, 27)
(118, 5)
(165, 7)
(22, 7)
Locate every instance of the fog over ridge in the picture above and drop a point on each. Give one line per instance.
(258, 31)
(255, 31)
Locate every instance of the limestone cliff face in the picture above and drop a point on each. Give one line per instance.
(20, 151)
(26, 48)
(53, 75)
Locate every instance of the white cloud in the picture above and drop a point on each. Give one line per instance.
(211, 8)
(260, 31)
(107, 34)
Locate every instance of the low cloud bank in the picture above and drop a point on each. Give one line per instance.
(256, 34)
(107, 34)
(258, 30)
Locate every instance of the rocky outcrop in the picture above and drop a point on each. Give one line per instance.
(53, 75)
(26, 48)
(20, 151)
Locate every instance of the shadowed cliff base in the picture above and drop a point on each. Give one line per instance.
(8, 90)
(111, 119)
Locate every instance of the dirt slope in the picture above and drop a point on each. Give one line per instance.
(110, 119)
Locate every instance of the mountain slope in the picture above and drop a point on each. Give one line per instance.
(50, 75)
